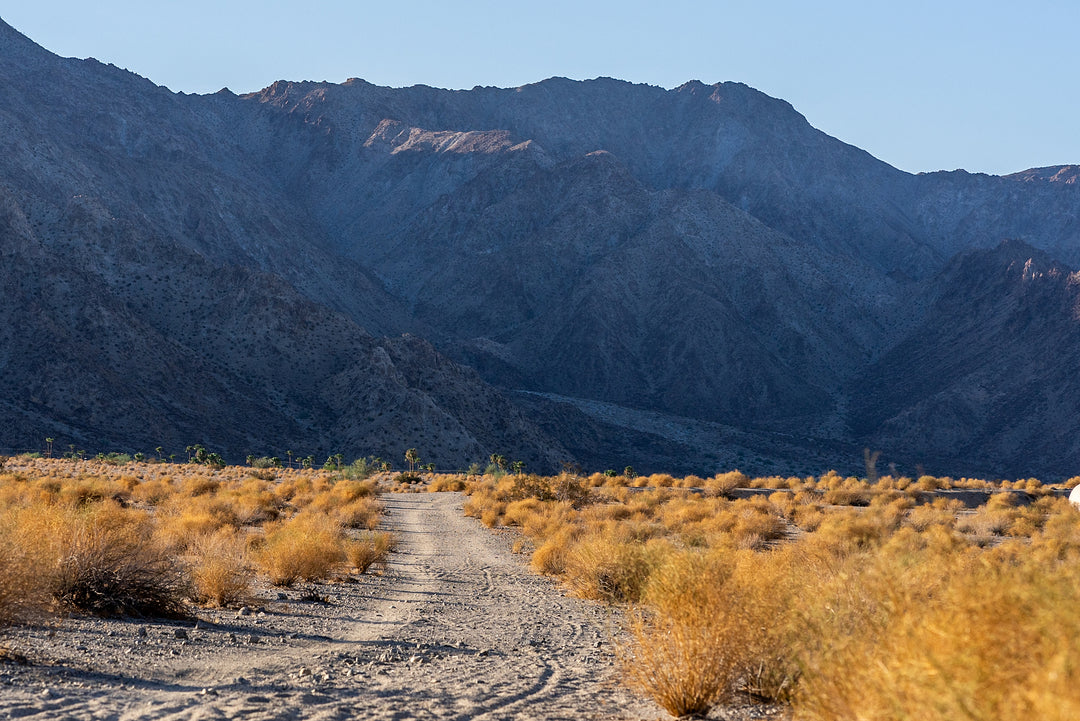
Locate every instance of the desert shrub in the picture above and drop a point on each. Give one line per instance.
(305, 547)
(605, 568)
(181, 520)
(447, 483)
(368, 550)
(930, 483)
(153, 491)
(107, 563)
(993, 641)
(724, 483)
(24, 589)
(846, 530)
(927, 515)
(678, 654)
(491, 516)
(360, 513)
(199, 485)
(986, 521)
(220, 569)
(551, 555)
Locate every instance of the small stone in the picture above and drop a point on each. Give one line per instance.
(304, 671)
(282, 596)
(180, 633)
(484, 652)
(244, 611)
(251, 638)
(141, 632)
(241, 681)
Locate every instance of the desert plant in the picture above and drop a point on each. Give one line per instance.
(305, 547)
(678, 656)
(108, 564)
(24, 591)
(368, 550)
(219, 568)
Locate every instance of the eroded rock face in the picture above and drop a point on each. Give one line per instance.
(225, 269)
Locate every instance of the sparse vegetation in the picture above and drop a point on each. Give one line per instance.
(116, 536)
(842, 597)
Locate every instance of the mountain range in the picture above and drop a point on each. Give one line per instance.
(596, 272)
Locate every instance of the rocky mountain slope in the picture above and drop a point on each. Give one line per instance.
(239, 271)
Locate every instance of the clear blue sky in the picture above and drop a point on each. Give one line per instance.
(990, 86)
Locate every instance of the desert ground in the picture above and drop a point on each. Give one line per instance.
(456, 627)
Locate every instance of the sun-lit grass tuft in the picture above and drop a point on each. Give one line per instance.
(305, 547)
(220, 569)
(370, 549)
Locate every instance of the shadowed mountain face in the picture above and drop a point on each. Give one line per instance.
(991, 366)
(228, 269)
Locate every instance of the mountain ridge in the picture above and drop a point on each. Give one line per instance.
(345, 266)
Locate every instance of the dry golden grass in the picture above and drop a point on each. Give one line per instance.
(220, 569)
(678, 657)
(24, 590)
(444, 482)
(796, 596)
(370, 549)
(104, 537)
(106, 561)
(305, 547)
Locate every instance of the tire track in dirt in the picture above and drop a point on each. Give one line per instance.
(455, 628)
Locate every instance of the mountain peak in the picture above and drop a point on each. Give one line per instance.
(1065, 174)
(13, 42)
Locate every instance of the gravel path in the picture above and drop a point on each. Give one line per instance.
(456, 628)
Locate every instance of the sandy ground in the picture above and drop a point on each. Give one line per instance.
(456, 628)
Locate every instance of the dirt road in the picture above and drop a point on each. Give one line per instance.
(456, 628)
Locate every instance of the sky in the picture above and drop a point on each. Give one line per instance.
(990, 86)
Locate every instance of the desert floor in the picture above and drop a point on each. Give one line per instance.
(456, 627)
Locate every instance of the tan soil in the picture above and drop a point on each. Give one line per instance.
(456, 628)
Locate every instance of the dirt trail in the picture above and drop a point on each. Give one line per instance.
(456, 628)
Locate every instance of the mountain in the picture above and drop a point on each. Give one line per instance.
(594, 272)
(989, 366)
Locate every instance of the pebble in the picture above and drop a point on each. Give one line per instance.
(244, 611)
(180, 633)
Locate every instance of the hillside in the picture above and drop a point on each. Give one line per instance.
(239, 270)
